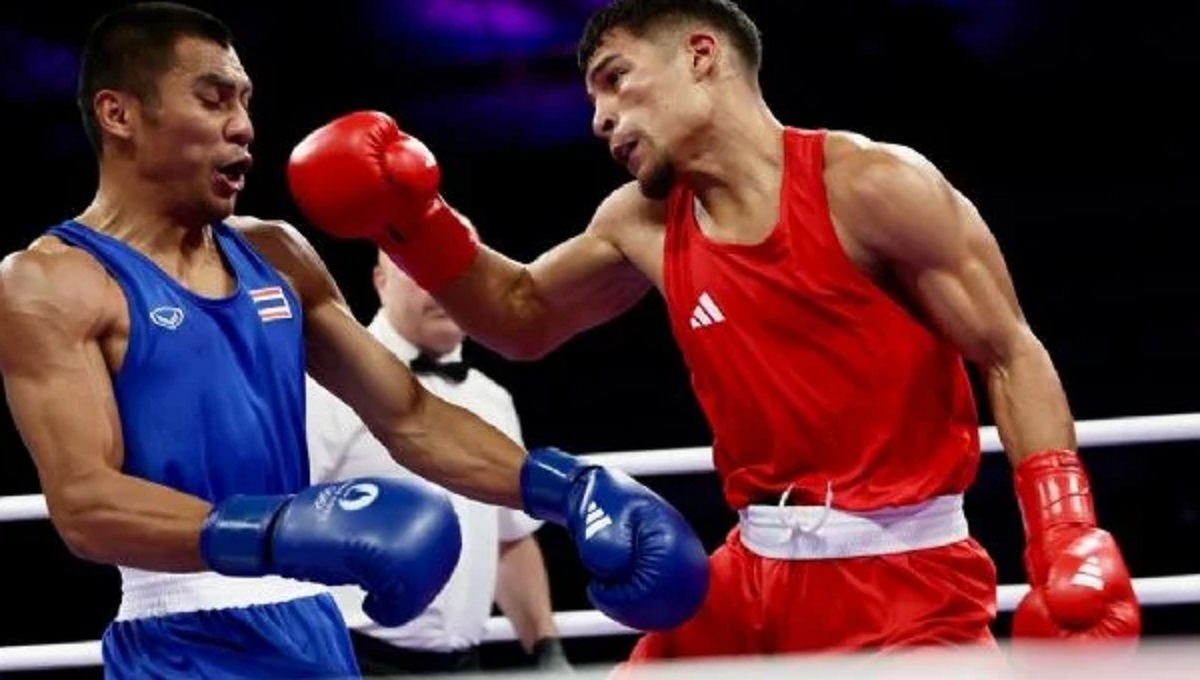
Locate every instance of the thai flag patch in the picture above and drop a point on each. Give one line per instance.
(271, 303)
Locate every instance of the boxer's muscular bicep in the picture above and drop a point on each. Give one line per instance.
(586, 281)
(524, 311)
(433, 438)
(60, 395)
(919, 228)
(345, 359)
(590, 278)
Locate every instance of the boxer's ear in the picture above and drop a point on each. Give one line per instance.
(115, 113)
(703, 50)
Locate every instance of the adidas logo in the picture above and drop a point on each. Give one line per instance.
(596, 521)
(1089, 575)
(706, 313)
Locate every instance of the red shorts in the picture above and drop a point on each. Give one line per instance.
(757, 605)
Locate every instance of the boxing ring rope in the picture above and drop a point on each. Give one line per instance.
(1090, 434)
(1162, 590)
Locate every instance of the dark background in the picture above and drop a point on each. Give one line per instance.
(1069, 124)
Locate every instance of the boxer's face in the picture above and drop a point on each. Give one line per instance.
(414, 313)
(194, 140)
(650, 102)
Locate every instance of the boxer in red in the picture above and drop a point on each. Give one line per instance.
(826, 291)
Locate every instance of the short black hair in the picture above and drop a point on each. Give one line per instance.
(129, 49)
(641, 16)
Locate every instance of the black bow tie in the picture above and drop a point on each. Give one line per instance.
(454, 371)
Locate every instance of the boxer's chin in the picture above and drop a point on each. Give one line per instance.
(657, 184)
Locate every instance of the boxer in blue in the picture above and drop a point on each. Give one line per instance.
(153, 353)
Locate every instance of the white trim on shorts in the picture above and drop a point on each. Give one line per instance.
(146, 594)
(822, 533)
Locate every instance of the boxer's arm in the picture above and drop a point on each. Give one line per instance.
(911, 222)
(523, 591)
(431, 437)
(524, 311)
(917, 227)
(52, 312)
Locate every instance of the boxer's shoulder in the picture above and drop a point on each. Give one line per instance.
(51, 282)
(861, 162)
(887, 200)
(627, 214)
(280, 242)
(286, 248)
(266, 232)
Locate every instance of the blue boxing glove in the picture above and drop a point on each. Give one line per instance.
(398, 540)
(650, 571)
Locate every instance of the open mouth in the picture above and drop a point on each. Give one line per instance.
(236, 171)
(622, 152)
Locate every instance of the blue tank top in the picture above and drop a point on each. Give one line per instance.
(211, 390)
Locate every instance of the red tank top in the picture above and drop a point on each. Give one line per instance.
(809, 373)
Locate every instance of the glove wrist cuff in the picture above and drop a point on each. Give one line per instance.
(439, 247)
(1053, 490)
(547, 476)
(235, 537)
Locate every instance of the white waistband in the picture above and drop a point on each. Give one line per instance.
(821, 533)
(146, 594)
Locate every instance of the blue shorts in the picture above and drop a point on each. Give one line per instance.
(301, 638)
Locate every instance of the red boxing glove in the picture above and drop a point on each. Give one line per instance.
(360, 176)
(1080, 585)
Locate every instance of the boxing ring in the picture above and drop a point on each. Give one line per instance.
(1166, 660)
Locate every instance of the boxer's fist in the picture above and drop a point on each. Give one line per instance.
(650, 571)
(1080, 586)
(397, 539)
(360, 176)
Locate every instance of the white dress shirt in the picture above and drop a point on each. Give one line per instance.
(340, 447)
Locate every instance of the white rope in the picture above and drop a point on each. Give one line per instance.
(1159, 590)
(42, 657)
(1090, 433)
(20, 508)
